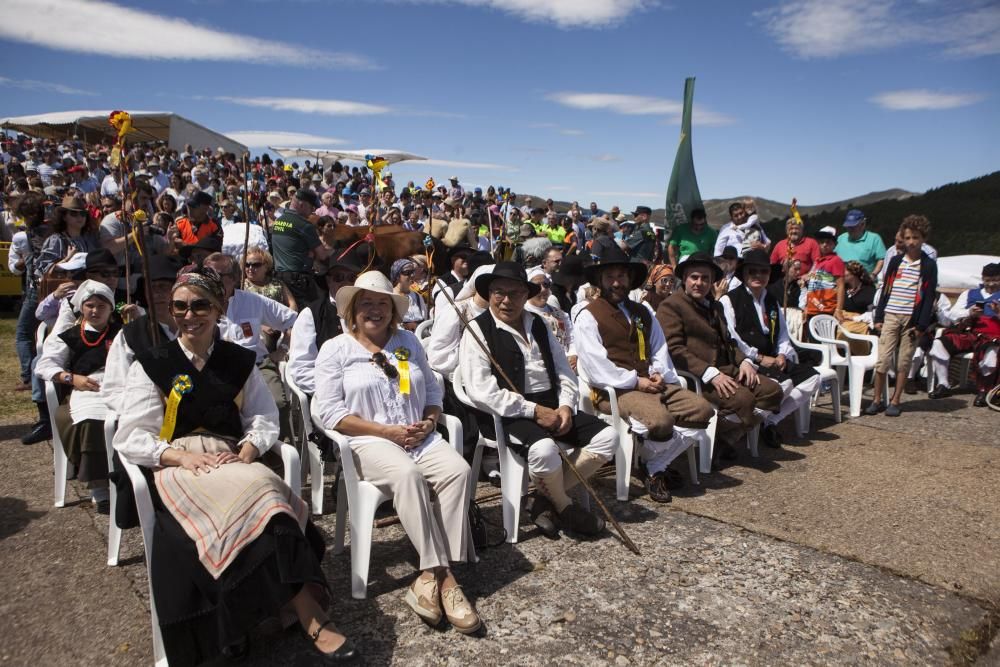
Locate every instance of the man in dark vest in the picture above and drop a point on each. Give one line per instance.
(317, 323)
(136, 334)
(758, 328)
(620, 344)
(541, 408)
(699, 340)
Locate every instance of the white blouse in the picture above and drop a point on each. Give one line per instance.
(348, 383)
(138, 436)
(56, 358)
(417, 312)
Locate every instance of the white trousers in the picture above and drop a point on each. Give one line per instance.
(544, 459)
(795, 397)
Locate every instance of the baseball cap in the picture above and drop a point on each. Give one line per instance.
(854, 218)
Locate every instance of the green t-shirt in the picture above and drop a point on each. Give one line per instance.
(292, 238)
(868, 249)
(688, 242)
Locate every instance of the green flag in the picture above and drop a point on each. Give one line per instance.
(682, 193)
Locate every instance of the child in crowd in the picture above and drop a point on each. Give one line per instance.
(825, 283)
(905, 310)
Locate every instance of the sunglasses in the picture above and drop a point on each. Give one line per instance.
(407, 272)
(197, 307)
(254, 265)
(390, 371)
(106, 273)
(545, 284)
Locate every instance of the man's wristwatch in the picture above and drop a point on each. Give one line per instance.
(66, 378)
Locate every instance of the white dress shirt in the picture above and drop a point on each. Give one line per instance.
(138, 436)
(784, 343)
(962, 306)
(735, 235)
(120, 358)
(348, 383)
(446, 334)
(484, 390)
(247, 313)
(601, 371)
(302, 351)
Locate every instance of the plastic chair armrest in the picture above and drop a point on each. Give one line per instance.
(293, 472)
(816, 347)
(455, 434)
(691, 379)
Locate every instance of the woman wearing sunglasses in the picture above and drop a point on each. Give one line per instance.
(73, 231)
(233, 545)
(403, 276)
(373, 384)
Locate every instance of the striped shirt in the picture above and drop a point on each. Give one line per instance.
(904, 288)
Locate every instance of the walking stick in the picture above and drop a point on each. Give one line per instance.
(246, 221)
(138, 218)
(626, 540)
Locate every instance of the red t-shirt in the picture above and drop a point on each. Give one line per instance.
(806, 251)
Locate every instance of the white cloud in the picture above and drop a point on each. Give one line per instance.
(638, 105)
(468, 165)
(109, 29)
(43, 86)
(281, 138)
(831, 28)
(563, 13)
(308, 105)
(924, 100)
(606, 157)
(570, 132)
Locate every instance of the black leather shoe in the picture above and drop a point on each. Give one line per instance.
(40, 432)
(727, 452)
(346, 654)
(940, 391)
(578, 520)
(658, 487)
(103, 507)
(980, 400)
(542, 514)
(771, 437)
(911, 387)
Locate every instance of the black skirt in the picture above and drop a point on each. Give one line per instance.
(85, 449)
(199, 615)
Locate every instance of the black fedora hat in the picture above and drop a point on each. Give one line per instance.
(642, 209)
(616, 257)
(697, 258)
(756, 257)
(510, 271)
(161, 267)
(331, 264)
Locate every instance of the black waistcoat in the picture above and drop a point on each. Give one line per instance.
(748, 322)
(137, 335)
(84, 359)
(326, 321)
(505, 350)
(211, 403)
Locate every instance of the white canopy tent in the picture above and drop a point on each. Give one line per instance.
(391, 156)
(962, 272)
(93, 126)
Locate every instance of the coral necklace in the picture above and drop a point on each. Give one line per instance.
(83, 335)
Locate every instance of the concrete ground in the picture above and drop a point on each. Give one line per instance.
(873, 542)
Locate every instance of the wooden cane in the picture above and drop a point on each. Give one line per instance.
(246, 221)
(626, 540)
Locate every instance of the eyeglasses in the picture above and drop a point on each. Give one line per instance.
(254, 265)
(545, 284)
(197, 307)
(390, 371)
(75, 213)
(513, 295)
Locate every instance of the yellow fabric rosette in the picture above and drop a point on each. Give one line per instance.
(402, 355)
(181, 385)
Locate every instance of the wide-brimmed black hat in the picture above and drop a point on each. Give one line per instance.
(161, 267)
(100, 257)
(642, 209)
(755, 257)
(729, 252)
(464, 250)
(330, 265)
(697, 258)
(616, 257)
(510, 271)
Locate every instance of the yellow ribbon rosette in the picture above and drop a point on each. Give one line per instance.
(402, 355)
(180, 385)
(138, 218)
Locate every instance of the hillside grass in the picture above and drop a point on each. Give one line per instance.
(15, 406)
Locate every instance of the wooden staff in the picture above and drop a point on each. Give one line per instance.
(147, 284)
(246, 221)
(626, 540)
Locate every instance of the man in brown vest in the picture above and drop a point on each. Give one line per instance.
(696, 332)
(620, 344)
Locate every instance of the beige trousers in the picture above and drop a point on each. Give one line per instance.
(896, 334)
(430, 495)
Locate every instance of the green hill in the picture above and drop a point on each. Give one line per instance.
(965, 217)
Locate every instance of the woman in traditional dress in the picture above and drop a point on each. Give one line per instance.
(555, 319)
(75, 358)
(403, 273)
(234, 548)
(373, 384)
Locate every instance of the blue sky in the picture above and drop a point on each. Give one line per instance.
(576, 99)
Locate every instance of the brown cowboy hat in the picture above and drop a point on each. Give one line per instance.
(73, 204)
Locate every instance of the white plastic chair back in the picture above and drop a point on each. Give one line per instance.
(114, 532)
(626, 451)
(59, 461)
(306, 446)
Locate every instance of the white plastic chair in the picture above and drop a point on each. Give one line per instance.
(114, 532)
(147, 521)
(824, 328)
(59, 460)
(513, 469)
(753, 435)
(965, 361)
(307, 446)
(626, 452)
(363, 498)
(827, 374)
